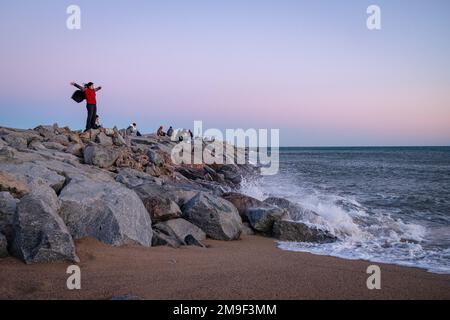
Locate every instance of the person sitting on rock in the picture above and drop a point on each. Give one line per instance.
(98, 125)
(160, 132)
(91, 102)
(170, 132)
(133, 131)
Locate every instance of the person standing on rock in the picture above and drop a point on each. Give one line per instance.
(91, 102)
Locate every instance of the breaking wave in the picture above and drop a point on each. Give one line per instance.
(363, 233)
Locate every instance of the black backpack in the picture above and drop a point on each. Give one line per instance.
(78, 96)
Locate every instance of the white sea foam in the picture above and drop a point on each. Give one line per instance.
(362, 235)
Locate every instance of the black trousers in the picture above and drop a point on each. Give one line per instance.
(91, 115)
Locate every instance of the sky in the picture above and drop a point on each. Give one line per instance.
(310, 68)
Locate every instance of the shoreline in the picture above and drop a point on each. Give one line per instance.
(249, 269)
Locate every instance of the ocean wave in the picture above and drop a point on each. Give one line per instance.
(362, 233)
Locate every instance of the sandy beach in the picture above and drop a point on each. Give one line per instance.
(252, 268)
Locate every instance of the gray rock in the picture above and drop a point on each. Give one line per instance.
(118, 139)
(180, 194)
(108, 131)
(247, 230)
(104, 140)
(216, 188)
(76, 149)
(45, 129)
(300, 232)
(263, 219)
(156, 157)
(108, 212)
(40, 235)
(218, 218)
(133, 178)
(75, 138)
(184, 232)
(76, 171)
(8, 205)
(295, 211)
(93, 133)
(35, 175)
(160, 238)
(3, 246)
(192, 173)
(61, 139)
(100, 156)
(243, 202)
(16, 140)
(54, 146)
(7, 153)
(231, 173)
(36, 145)
(12, 184)
(158, 204)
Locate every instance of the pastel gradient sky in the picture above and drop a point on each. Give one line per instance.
(309, 68)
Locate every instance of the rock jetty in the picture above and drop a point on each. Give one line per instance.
(58, 185)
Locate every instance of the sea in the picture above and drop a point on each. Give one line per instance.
(384, 204)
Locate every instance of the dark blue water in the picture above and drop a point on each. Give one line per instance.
(385, 204)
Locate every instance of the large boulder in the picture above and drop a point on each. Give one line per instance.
(108, 212)
(117, 138)
(133, 178)
(47, 131)
(10, 183)
(100, 156)
(300, 232)
(61, 139)
(76, 149)
(180, 193)
(262, 219)
(192, 173)
(158, 204)
(161, 238)
(217, 217)
(260, 215)
(40, 234)
(180, 232)
(54, 146)
(16, 140)
(243, 202)
(36, 145)
(103, 139)
(231, 173)
(3, 246)
(7, 153)
(35, 175)
(295, 211)
(8, 205)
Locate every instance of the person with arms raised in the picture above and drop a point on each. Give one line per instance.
(90, 93)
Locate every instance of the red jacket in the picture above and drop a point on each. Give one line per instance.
(90, 96)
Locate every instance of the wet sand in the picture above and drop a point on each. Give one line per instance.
(252, 268)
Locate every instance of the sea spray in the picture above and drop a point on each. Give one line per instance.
(376, 215)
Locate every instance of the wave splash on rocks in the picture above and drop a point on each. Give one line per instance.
(59, 185)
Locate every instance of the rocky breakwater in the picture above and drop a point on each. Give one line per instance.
(59, 185)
